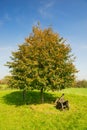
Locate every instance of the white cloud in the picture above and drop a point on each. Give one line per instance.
(50, 4)
(44, 9)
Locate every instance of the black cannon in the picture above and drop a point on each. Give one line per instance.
(61, 103)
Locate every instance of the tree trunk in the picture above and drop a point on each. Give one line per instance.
(42, 95)
(24, 95)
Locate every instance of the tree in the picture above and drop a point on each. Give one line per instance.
(81, 84)
(6, 80)
(44, 61)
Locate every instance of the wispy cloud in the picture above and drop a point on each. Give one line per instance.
(6, 18)
(6, 48)
(44, 9)
(1, 23)
(83, 47)
(50, 4)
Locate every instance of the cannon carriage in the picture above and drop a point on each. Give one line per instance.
(61, 103)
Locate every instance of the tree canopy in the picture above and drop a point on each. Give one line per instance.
(44, 61)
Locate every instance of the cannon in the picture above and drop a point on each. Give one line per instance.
(61, 103)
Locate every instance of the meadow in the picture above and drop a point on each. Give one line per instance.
(16, 115)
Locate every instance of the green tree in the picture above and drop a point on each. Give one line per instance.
(6, 80)
(44, 61)
(81, 84)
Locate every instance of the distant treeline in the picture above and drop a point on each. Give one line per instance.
(79, 83)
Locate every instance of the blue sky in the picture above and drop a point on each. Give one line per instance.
(67, 17)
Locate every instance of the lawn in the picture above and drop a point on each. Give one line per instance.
(16, 115)
(3, 87)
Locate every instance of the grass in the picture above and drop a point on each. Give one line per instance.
(76, 91)
(3, 87)
(15, 115)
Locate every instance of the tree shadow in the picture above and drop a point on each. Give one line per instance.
(32, 97)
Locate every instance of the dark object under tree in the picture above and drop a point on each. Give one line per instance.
(61, 103)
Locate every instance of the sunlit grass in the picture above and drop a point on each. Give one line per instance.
(77, 91)
(15, 115)
(3, 86)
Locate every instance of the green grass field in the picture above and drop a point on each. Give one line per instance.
(15, 115)
(3, 87)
